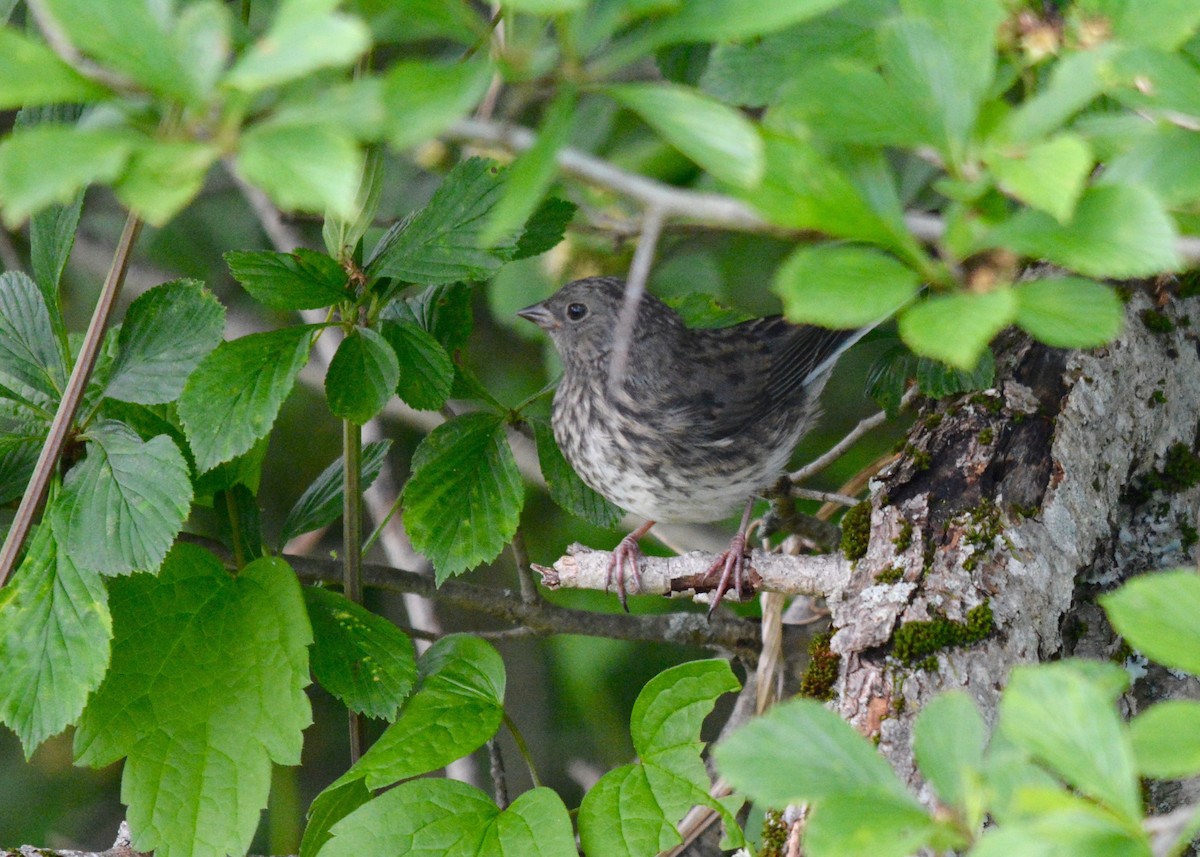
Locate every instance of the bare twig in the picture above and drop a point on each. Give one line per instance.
(635, 287)
(825, 496)
(839, 449)
(529, 593)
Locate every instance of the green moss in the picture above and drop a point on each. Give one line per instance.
(1189, 284)
(903, 540)
(818, 680)
(1180, 471)
(1158, 397)
(890, 575)
(987, 436)
(1156, 322)
(916, 643)
(1189, 536)
(991, 404)
(856, 531)
(933, 420)
(1022, 510)
(986, 524)
(920, 458)
(774, 834)
(1123, 653)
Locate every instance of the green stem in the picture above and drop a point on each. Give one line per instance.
(235, 528)
(352, 546)
(382, 524)
(523, 749)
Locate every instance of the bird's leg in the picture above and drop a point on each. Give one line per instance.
(732, 563)
(625, 557)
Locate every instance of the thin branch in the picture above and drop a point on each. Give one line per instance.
(64, 419)
(352, 547)
(839, 449)
(825, 496)
(635, 287)
(529, 593)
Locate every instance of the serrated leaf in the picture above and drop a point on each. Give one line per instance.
(360, 657)
(205, 691)
(244, 469)
(54, 641)
(444, 311)
(1156, 613)
(1048, 175)
(1067, 721)
(545, 228)
(440, 243)
(232, 398)
(29, 352)
(311, 168)
(564, 484)
(293, 281)
(18, 455)
(33, 74)
(843, 286)
(123, 506)
(51, 163)
(1166, 739)
(1069, 312)
(362, 376)
(426, 371)
(51, 238)
(321, 503)
(461, 683)
(715, 136)
(422, 99)
(463, 502)
(167, 331)
(887, 377)
(949, 738)
(938, 380)
(957, 328)
(298, 44)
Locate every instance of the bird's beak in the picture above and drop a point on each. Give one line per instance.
(539, 315)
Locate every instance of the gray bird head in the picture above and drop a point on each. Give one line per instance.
(581, 318)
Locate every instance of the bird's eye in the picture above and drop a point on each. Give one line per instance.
(576, 311)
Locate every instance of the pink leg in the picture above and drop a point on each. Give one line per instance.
(731, 564)
(625, 558)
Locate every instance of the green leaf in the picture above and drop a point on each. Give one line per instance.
(426, 371)
(440, 243)
(458, 705)
(304, 38)
(360, 657)
(292, 281)
(463, 502)
(313, 167)
(634, 809)
(362, 376)
(123, 506)
(888, 376)
(239, 522)
(1067, 721)
(1048, 175)
(18, 455)
(1166, 739)
(1166, 161)
(341, 235)
(564, 484)
(1069, 312)
(825, 758)
(715, 136)
(843, 286)
(1165, 25)
(52, 163)
(167, 331)
(29, 353)
(51, 238)
(956, 328)
(55, 630)
(1055, 823)
(1077, 80)
(881, 825)
(205, 691)
(32, 74)
(726, 20)
(233, 397)
(423, 99)
(949, 737)
(163, 176)
(321, 503)
(444, 311)
(545, 228)
(1157, 613)
(202, 39)
(938, 380)
(969, 32)
(544, 7)
(327, 809)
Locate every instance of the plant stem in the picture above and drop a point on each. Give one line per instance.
(523, 748)
(352, 546)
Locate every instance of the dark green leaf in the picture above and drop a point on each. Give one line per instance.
(32, 74)
(303, 38)
(949, 737)
(957, 328)
(463, 502)
(545, 228)
(51, 237)
(313, 168)
(361, 658)
(205, 691)
(362, 376)
(239, 522)
(321, 503)
(937, 380)
(294, 281)
(842, 286)
(1069, 312)
(1157, 613)
(29, 350)
(444, 311)
(1166, 739)
(565, 486)
(232, 398)
(887, 378)
(167, 331)
(244, 469)
(426, 371)
(423, 99)
(17, 458)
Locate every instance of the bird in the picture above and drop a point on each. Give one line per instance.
(697, 422)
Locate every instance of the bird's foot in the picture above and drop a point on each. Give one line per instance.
(731, 568)
(623, 564)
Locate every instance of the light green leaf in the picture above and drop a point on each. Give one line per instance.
(536, 824)
(825, 758)
(362, 376)
(232, 398)
(715, 136)
(327, 809)
(294, 281)
(949, 737)
(51, 163)
(544, 7)
(969, 31)
(881, 825)
(202, 38)
(55, 630)
(163, 176)
(1164, 24)
(341, 234)
(1055, 823)
(29, 353)
(1069, 312)
(1048, 175)
(463, 502)
(422, 99)
(51, 238)
(957, 328)
(722, 20)
(1166, 739)
(321, 503)
(426, 371)
(1076, 81)
(1067, 721)
(298, 44)
(33, 74)
(311, 168)
(358, 656)
(564, 484)
(123, 506)
(1166, 161)
(205, 691)
(461, 684)
(843, 286)
(167, 331)
(1157, 613)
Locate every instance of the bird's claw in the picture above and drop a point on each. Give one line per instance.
(624, 559)
(731, 565)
